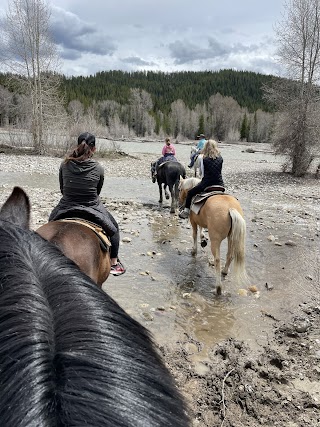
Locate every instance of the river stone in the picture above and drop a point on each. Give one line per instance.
(147, 316)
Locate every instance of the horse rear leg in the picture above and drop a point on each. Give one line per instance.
(160, 192)
(215, 249)
(167, 195)
(203, 238)
(174, 197)
(229, 259)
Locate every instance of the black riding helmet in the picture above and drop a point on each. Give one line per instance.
(88, 138)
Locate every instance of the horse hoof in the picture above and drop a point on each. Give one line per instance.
(203, 243)
(224, 273)
(219, 290)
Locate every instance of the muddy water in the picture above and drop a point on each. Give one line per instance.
(171, 292)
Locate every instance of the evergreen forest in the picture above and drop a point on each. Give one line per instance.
(191, 87)
(225, 104)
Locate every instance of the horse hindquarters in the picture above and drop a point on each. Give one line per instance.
(214, 216)
(236, 247)
(81, 245)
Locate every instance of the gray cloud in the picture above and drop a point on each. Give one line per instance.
(185, 52)
(75, 36)
(92, 36)
(135, 60)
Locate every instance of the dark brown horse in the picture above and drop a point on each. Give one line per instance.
(69, 354)
(78, 241)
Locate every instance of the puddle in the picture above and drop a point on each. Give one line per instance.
(177, 290)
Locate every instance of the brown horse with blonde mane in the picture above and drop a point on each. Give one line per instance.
(222, 215)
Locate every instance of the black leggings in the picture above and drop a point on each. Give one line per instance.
(115, 239)
(193, 191)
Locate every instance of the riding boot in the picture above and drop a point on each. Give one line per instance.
(185, 213)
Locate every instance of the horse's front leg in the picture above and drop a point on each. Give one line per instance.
(195, 236)
(160, 192)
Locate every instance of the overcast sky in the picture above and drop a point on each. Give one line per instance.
(165, 35)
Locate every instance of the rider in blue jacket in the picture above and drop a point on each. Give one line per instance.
(200, 145)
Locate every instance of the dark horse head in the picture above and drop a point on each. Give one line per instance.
(69, 355)
(153, 172)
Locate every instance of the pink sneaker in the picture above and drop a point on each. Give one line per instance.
(117, 269)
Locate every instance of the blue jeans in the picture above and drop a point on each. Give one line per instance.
(193, 158)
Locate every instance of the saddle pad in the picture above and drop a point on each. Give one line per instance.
(94, 227)
(166, 161)
(199, 200)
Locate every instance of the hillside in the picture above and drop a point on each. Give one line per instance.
(192, 87)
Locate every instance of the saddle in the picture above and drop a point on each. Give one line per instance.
(199, 199)
(169, 159)
(104, 239)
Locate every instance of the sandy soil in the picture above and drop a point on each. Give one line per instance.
(277, 384)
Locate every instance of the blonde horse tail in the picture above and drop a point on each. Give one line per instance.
(237, 239)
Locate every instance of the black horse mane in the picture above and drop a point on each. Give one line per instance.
(69, 355)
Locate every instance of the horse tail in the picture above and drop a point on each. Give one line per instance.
(237, 240)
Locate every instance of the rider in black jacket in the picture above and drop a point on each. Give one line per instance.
(212, 167)
(81, 179)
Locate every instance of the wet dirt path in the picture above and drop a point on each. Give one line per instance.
(172, 293)
(167, 289)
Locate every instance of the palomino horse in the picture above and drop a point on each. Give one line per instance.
(196, 165)
(79, 241)
(69, 354)
(168, 175)
(222, 215)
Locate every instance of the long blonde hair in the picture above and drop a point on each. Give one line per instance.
(210, 149)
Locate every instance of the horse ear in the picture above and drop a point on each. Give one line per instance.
(16, 209)
(181, 178)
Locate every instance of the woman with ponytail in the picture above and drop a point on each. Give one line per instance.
(81, 179)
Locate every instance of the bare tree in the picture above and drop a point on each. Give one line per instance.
(107, 110)
(76, 111)
(223, 115)
(297, 132)
(263, 122)
(5, 105)
(140, 106)
(30, 55)
(177, 117)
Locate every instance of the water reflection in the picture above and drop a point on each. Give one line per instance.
(207, 320)
(164, 226)
(32, 180)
